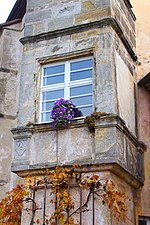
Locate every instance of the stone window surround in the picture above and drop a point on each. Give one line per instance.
(58, 59)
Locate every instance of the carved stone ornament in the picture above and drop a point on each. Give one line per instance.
(21, 147)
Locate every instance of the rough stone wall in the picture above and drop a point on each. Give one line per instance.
(10, 55)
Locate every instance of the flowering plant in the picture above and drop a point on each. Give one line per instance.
(63, 112)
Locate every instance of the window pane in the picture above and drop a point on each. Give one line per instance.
(81, 90)
(84, 100)
(45, 117)
(46, 106)
(53, 80)
(86, 111)
(80, 75)
(142, 223)
(54, 69)
(49, 95)
(81, 64)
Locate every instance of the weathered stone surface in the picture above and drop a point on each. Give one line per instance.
(6, 148)
(26, 107)
(76, 12)
(44, 148)
(105, 139)
(126, 95)
(2, 93)
(104, 99)
(10, 55)
(94, 15)
(74, 144)
(108, 145)
(125, 18)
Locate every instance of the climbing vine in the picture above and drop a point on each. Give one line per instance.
(12, 205)
(59, 181)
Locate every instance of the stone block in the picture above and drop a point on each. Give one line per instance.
(94, 15)
(59, 23)
(6, 149)
(74, 144)
(44, 148)
(38, 16)
(2, 93)
(125, 90)
(64, 9)
(104, 99)
(38, 5)
(26, 107)
(28, 30)
(102, 3)
(105, 140)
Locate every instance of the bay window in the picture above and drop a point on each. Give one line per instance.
(69, 80)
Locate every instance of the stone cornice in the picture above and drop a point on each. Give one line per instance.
(87, 167)
(109, 21)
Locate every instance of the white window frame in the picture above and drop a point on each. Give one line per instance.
(67, 83)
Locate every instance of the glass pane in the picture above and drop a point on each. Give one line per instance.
(46, 117)
(80, 75)
(86, 111)
(142, 223)
(53, 80)
(54, 69)
(50, 95)
(81, 64)
(47, 106)
(81, 90)
(79, 101)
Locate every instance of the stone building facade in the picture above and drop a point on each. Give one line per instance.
(54, 33)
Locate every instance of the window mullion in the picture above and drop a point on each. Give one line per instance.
(67, 80)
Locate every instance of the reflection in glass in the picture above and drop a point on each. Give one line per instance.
(81, 64)
(53, 80)
(45, 116)
(86, 111)
(54, 70)
(46, 106)
(84, 100)
(81, 90)
(81, 75)
(50, 95)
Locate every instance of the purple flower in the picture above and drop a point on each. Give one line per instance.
(63, 112)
